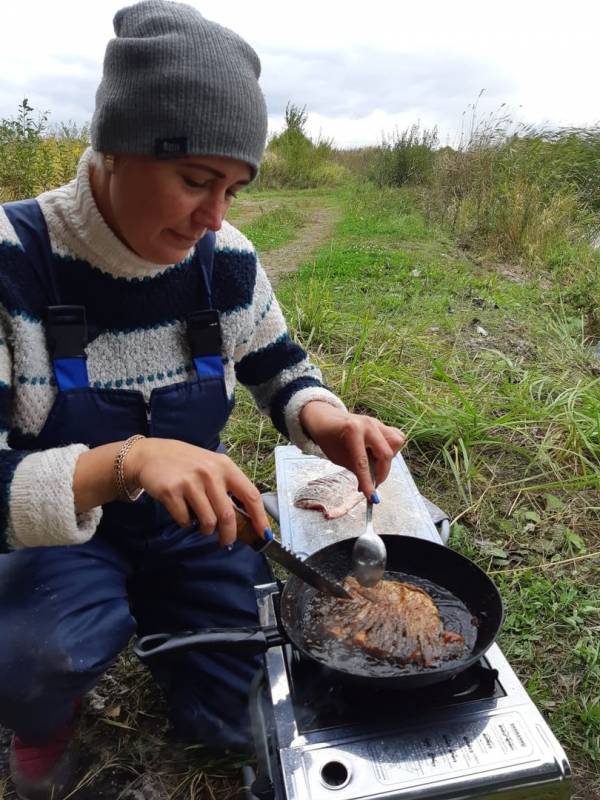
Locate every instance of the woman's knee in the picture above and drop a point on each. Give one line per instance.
(39, 651)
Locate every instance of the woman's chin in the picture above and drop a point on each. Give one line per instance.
(163, 255)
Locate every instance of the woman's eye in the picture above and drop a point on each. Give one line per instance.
(193, 184)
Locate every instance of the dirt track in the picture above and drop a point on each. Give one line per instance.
(317, 231)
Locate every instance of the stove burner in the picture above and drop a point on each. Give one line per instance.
(321, 701)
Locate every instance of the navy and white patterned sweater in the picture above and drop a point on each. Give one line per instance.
(136, 315)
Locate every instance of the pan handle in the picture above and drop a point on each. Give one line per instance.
(223, 640)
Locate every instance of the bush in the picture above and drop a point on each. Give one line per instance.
(406, 158)
(32, 159)
(293, 160)
(518, 194)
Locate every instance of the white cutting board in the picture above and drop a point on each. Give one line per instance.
(401, 511)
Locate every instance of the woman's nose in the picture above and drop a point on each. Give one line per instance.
(210, 212)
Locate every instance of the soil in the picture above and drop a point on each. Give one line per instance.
(319, 227)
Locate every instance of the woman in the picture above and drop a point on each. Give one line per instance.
(129, 308)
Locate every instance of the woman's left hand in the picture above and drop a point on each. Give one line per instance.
(350, 439)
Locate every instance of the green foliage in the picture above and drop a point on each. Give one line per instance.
(274, 228)
(293, 160)
(507, 191)
(566, 609)
(32, 159)
(406, 158)
(515, 192)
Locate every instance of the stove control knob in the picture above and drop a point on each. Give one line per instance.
(335, 774)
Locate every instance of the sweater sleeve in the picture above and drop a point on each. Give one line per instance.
(41, 503)
(276, 370)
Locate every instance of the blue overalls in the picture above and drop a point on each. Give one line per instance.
(66, 612)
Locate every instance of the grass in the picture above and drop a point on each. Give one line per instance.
(490, 367)
(274, 228)
(491, 370)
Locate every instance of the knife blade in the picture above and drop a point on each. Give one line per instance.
(288, 560)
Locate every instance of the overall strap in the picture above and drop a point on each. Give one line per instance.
(30, 226)
(205, 258)
(66, 335)
(203, 327)
(66, 328)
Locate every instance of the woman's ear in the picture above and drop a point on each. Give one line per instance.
(109, 162)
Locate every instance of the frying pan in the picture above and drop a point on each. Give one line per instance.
(416, 559)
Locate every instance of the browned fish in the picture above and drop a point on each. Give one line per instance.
(392, 620)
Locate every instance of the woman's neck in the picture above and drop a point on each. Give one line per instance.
(100, 179)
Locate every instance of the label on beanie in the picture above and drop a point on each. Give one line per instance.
(170, 148)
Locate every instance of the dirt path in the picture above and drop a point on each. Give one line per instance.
(317, 230)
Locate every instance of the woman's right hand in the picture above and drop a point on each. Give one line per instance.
(194, 484)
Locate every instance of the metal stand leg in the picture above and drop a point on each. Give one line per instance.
(440, 519)
(271, 504)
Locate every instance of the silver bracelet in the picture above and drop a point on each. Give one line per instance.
(124, 492)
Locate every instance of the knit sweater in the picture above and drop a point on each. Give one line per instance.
(136, 313)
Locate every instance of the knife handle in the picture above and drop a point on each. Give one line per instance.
(246, 532)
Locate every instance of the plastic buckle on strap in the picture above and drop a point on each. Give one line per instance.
(209, 367)
(204, 333)
(66, 331)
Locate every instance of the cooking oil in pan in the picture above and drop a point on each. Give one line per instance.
(340, 654)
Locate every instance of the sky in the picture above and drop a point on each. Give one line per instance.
(362, 70)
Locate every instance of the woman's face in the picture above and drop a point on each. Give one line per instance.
(160, 209)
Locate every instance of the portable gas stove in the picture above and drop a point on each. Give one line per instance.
(478, 735)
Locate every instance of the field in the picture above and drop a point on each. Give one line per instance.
(493, 374)
(483, 348)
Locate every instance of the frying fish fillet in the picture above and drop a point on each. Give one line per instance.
(333, 494)
(392, 619)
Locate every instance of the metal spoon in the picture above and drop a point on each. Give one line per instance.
(369, 555)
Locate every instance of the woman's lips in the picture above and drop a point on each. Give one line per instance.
(188, 241)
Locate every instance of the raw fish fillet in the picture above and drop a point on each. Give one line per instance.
(392, 619)
(333, 494)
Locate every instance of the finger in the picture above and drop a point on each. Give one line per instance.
(202, 510)
(394, 437)
(381, 456)
(226, 518)
(178, 509)
(250, 497)
(358, 462)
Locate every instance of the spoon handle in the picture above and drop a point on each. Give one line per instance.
(369, 526)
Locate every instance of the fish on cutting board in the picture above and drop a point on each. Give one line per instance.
(334, 495)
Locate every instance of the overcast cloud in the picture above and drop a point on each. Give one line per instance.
(362, 70)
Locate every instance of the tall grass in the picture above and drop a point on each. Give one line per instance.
(405, 158)
(517, 192)
(472, 403)
(506, 190)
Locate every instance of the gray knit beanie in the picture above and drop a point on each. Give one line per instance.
(176, 84)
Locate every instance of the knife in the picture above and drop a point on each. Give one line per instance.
(277, 552)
